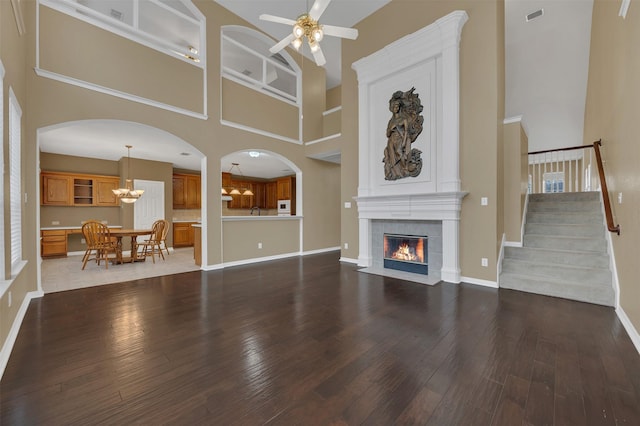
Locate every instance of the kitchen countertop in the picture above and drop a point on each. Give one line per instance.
(273, 217)
(57, 228)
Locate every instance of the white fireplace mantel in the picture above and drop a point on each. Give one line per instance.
(429, 61)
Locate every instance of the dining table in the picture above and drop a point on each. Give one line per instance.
(119, 233)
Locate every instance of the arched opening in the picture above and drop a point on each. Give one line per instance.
(90, 155)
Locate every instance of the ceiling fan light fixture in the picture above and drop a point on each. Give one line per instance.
(297, 43)
(298, 31)
(314, 45)
(317, 34)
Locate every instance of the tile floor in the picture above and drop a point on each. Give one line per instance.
(66, 273)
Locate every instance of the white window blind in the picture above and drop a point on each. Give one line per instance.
(15, 117)
(2, 246)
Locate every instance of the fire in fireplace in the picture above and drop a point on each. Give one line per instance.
(406, 253)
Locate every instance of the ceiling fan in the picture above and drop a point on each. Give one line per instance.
(307, 26)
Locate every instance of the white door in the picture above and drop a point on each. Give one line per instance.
(149, 207)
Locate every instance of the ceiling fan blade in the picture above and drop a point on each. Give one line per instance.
(319, 56)
(318, 8)
(350, 33)
(277, 19)
(282, 44)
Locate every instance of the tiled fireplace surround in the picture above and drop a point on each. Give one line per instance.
(430, 203)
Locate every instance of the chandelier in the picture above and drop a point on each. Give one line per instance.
(307, 27)
(128, 194)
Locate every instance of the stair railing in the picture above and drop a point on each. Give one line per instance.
(570, 170)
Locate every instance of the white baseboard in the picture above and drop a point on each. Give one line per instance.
(348, 260)
(628, 325)
(318, 251)
(259, 259)
(15, 328)
(476, 281)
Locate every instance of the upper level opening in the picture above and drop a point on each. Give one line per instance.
(246, 59)
(174, 27)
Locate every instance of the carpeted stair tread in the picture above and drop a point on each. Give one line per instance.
(598, 294)
(569, 273)
(559, 257)
(565, 242)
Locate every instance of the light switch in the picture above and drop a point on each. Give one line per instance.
(347, 205)
(484, 201)
(619, 197)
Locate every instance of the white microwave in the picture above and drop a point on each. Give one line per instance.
(284, 207)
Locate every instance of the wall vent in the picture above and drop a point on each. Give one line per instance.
(116, 14)
(534, 15)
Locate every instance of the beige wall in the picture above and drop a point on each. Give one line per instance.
(613, 102)
(334, 97)
(515, 180)
(481, 114)
(241, 238)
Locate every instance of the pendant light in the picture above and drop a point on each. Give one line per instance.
(235, 191)
(128, 194)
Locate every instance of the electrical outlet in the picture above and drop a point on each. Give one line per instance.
(55, 222)
(346, 246)
(484, 201)
(83, 241)
(347, 205)
(619, 197)
(259, 245)
(485, 262)
(9, 299)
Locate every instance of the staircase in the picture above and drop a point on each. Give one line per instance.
(564, 251)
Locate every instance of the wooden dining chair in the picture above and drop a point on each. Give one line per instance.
(165, 231)
(99, 242)
(152, 245)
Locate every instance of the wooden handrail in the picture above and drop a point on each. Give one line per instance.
(603, 183)
(561, 149)
(605, 192)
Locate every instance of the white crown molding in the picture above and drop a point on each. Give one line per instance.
(112, 92)
(17, 13)
(624, 8)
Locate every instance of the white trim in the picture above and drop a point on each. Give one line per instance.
(258, 86)
(348, 260)
(7, 347)
(514, 119)
(628, 325)
(500, 258)
(513, 243)
(324, 139)
(17, 13)
(612, 258)
(476, 281)
(258, 131)
(523, 222)
(624, 8)
(332, 110)
(107, 91)
(260, 259)
(1, 73)
(318, 251)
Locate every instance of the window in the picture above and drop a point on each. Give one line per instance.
(246, 60)
(15, 119)
(2, 269)
(553, 182)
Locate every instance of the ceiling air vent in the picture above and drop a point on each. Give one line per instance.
(116, 14)
(534, 15)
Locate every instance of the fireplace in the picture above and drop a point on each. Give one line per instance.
(406, 253)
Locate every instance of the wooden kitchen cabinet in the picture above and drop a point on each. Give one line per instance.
(183, 234)
(284, 187)
(271, 195)
(53, 243)
(56, 189)
(186, 191)
(68, 189)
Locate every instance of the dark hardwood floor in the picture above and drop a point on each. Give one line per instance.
(310, 341)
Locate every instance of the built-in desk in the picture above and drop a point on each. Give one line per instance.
(53, 240)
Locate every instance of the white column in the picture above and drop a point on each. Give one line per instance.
(364, 256)
(450, 256)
